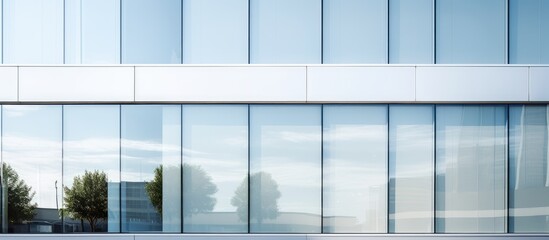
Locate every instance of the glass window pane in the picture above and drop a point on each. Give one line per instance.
(411, 31)
(285, 31)
(529, 169)
(470, 31)
(151, 168)
(33, 31)
(215, 168)
(215, 31)
(151, 31)
(92, 31)
(529, 31)
(355, 169)
(285, 169)
(411, 159)
(31, 154)
(355, 31)
(470, 169)
(91, 165)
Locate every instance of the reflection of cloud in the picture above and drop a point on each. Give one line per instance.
(18, 110)
(149, 146)
(290, 136)
(356, 133)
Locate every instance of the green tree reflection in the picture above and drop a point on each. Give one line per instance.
(87, 198)
(19, 196)
(199, 194)
(265, 199)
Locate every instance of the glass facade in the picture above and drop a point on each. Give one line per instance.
(151, 31)
(471, 31)
(355, 31)
(274, 31)
(411, 168)
(471, 159)
(528, 169)
(528, 31)
(354, 168)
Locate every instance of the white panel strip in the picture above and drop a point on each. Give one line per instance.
(360, 84)
(472, 84)
(539, 84)
(220, 84)
(78, 84)
(8, 84)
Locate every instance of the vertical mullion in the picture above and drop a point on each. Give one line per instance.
(182, 230)
(321, 34)
(507, 166)
(388, 169)
(322, 168)
(121, 46)
(434, 34)
(387, 52)
(249, 175)
(249, 61)
(434, 222)
(181, 61)
(120, 166)
(506, 55)
(62, 162)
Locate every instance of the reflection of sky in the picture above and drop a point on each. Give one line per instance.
(285, 142)
(32, 146)
(355, 163)
(215, 138)
(91, 141)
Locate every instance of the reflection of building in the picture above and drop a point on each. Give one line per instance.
(139, 214)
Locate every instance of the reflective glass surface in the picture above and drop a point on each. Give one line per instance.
(528, 169)
(355, 31)
(470, 31)
(411, 31)
(355, 169)
(215, 31)
(33, 31)
(411, 160)
(529, 31)
(92, 31)
(91, 167)
(215, 168)
(151, 168)
(470, 168)
(285, 156)
(285, 31)
(31, 155)
(151, 31)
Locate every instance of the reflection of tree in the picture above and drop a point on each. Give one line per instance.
(20, 196)
(198, 193)
(265, 198)
(87, 198)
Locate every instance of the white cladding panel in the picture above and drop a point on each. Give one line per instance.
(539, 84)
(471, 84)
(360, 84)
(8, 84)
(220, 84)
(78, 84)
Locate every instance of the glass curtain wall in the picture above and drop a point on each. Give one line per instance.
(91, 168)
(285, 169)
(215, 168)
(151, 168)
(471, 31)
(411, 30)
(529, 31)
(285, 31)
(355, 169)
(354, 31)
(215, 31)
(411, 168)
(471, 168)
(32, 31)
(529, 169)
(92, 31)
(32, 168)
(151, 31)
